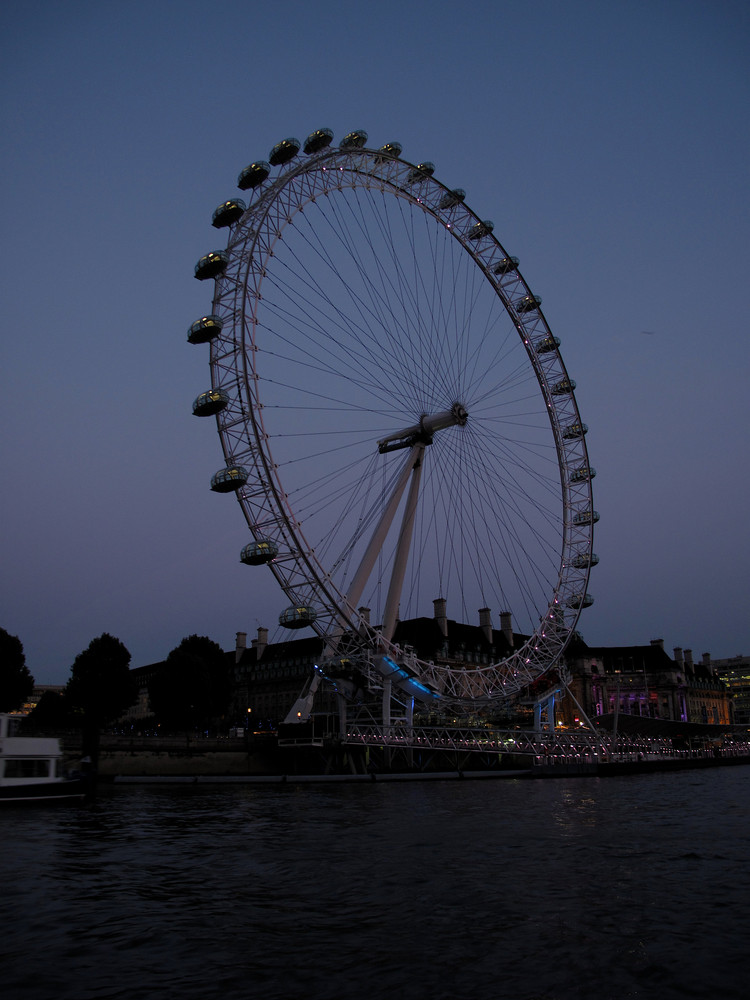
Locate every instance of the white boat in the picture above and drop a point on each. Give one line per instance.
(31, 768)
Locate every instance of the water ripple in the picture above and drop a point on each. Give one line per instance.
(585, 889)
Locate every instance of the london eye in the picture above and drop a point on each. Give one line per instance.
(396, 419)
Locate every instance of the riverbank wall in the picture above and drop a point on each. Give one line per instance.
(185, 759)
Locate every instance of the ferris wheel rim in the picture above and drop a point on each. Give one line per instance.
(251, 245)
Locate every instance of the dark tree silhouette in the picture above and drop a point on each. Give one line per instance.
(193, 685)
(16, 683)
(100, 688)
(51, 713)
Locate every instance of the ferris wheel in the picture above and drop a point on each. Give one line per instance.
(396, 419)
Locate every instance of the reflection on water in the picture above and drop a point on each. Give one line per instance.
(553, 890)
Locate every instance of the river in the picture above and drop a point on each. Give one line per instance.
(558, 889)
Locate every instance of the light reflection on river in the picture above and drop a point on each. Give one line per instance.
(561, 889)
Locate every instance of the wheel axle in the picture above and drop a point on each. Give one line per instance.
(424, 431)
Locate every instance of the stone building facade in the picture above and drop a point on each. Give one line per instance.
(269, 677)
(642, 681)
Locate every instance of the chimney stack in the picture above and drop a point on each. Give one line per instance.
(259, 644)
(441, 614)
(658, 642)
(240, 645)
(506, 624)
(678, 657)
(485, 623)
(689, 658)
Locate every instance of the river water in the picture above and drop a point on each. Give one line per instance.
(559, 889)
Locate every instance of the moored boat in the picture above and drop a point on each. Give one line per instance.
(32, 768)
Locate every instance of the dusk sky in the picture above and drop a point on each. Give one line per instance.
(608, 142)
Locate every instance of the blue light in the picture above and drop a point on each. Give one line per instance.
(409, 677)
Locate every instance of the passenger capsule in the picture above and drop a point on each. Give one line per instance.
(451, 198)
(253, 175)
(297, 617)
(261, 551)
(586, 517)
(204, 330)
(391, 149)
(353, 140)
(582, 474)
(563, 388)
(480, 229)
(212, 265)
(583, 560)
(528, 303)
(574, 431)
(318, 140)
(421, 170)
(227, 480)
(506, 265)
(210, 403)
(228, 213)
(284, 151)
(547, 344)
(580, 601)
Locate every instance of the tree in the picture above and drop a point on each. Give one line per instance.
(100, 687)
(51, 712)
(193, 685)
(16, 683)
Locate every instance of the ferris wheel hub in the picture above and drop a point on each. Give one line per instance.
(424, 431)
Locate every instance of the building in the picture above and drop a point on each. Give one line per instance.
(735, 673)
(141, 708)
(38, 692)
(642, 681)
(270, 677)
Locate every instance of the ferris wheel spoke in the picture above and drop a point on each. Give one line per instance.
(488, 504)
(328, 331)
(319, 342)
(517, 509)
(412, 348)
(382, 324)
(421, 327)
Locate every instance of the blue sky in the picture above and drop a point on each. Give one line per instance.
(608, 142)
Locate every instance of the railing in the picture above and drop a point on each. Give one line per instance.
(480, 740)
(547, 746)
